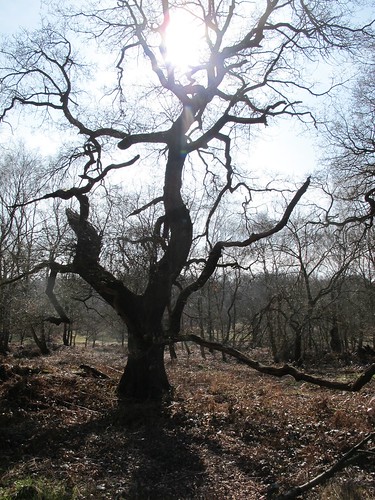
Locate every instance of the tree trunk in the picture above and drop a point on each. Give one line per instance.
(335, 340)
(65, 334)
(5, 323)
(172, 351)
(272, 340)
(4, 342)
(40, 341)
(144, 376)
(298, 355)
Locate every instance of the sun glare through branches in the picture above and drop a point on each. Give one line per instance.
(184, 40)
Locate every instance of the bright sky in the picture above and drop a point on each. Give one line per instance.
(16, 14)
(281, 148)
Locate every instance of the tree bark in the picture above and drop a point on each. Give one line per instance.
(144, 376)
(4, 342)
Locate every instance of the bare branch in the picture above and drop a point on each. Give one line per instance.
(353, 454)
(216, 254)
(148, 205)
(79, 191)
(282, 223)
(34, 270)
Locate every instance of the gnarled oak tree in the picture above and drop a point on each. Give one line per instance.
(249, 69)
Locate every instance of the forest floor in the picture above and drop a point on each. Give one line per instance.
(228, 433)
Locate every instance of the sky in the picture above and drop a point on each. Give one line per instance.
(15, 14)
(283, 147)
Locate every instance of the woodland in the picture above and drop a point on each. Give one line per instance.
(175, 321)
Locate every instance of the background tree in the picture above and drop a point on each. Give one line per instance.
(351, 145)
(111, 76)
(314, 264)
(20, 248)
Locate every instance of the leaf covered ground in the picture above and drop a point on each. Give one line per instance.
(228, 433)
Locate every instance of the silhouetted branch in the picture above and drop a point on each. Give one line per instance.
(67, 194)
(215, 255)
(282, 222)
(157, 200)
(34, 270)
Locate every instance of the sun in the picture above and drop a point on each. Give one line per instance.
(184, 40)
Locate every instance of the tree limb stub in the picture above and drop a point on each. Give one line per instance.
(282, 371)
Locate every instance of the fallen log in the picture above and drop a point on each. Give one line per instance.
(353, 386)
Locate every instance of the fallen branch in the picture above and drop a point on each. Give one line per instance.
(93, 372)
(347, 459)
(353, 386)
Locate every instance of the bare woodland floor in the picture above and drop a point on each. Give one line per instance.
(229, 433)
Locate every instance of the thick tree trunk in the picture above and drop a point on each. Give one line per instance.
(144, 376)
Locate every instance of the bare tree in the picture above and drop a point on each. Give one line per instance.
(351, 146)
(19, 235)
(313, 264)
(183, 121)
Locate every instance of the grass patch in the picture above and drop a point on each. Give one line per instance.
(36, 489)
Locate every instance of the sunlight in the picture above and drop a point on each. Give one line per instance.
(184, 40)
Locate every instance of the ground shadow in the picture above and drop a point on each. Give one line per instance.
(128, 452)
